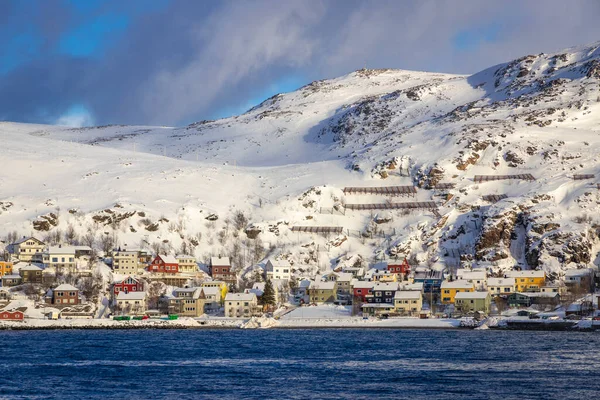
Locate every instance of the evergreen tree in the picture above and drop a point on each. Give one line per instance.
(268, 296)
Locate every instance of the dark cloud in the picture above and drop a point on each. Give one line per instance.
(188, 59)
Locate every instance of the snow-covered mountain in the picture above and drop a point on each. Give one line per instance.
(285, 163)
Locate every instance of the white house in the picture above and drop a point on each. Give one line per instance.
(27, 249)
(134, 302)
(498, 286)
(212, 298)
(278, 269)
(240, 304)
(476, 277)
(59, 257)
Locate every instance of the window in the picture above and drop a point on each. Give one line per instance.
(388, 293)
(446, 292)
(246, 304)
(359, 291)
(54, 259)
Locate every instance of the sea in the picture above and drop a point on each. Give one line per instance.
(299, 364)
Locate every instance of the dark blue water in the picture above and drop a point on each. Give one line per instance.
(299, 364)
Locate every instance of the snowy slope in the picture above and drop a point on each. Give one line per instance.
(536, 115)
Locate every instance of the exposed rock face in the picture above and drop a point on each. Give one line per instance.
(497, 230)
(46, 222)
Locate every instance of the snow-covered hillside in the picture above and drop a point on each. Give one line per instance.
(285, 163)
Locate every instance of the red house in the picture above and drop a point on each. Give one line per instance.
(164, 264)
(128, 285)
(220, 270)
(12, 315)
(399, 268)
(361, 289)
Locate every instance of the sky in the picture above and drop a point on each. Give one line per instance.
(174, 62)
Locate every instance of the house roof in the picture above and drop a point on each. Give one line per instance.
(66, 286)
(471, 275)
(131, 296)
(501, 281)
(24, 239)
(185, 257)
(458, 284)
(220, 262)
(168, 259)
(240, 297)
(407, 294)
(415, 286)
(11, 276)
(30, 267)
(578, 272)
(280, 263)
(526, 274)
(60, 250)
(385, 286)
(363, 284)
(344, 276)
(471, 295)
(317, 285)
(211, 291)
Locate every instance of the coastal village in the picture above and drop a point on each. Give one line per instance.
(62, 282)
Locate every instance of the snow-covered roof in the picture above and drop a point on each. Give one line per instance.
(280, 263)
(211, 291)
(61, 250)
(168, 259)
(526, 274)
(578, 272)
(539, 294)
(220, 261)
(415, 286)
(363, 284)
(30, 267)
(471, 295)
(458, 284)
(471, 275)
(65, 287)
(407, 295)
(26, 238)
(259, 286)
(344, 276)
(317, 285)
(131, 296)
(185, 257)
(240, 297)
(385, 286)
(11, 276)
(501, 281)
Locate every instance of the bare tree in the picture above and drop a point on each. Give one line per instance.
(71, 235)
(89, 239)
(239, 220)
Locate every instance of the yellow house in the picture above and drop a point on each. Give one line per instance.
(187, 264)
(451, 288)
(528, 281)
(217, 284)
(6, 268)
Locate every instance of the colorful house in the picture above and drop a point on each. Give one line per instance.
(360, 289)
(64, 295)
(164, 264)
(129, 284)
(11, 315)
(473, 301)
(528, 281)
(220, 269)
(6, 268)
(402, 268)
(451, 288)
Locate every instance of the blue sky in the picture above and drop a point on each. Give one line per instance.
(172, 62)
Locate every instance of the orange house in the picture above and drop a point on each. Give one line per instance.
(6, 268)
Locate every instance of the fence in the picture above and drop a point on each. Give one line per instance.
(383, 190)
(581, 177)
(318, 229)
(494, 198)
(445, 185)
(417, 205)
(488, 178)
